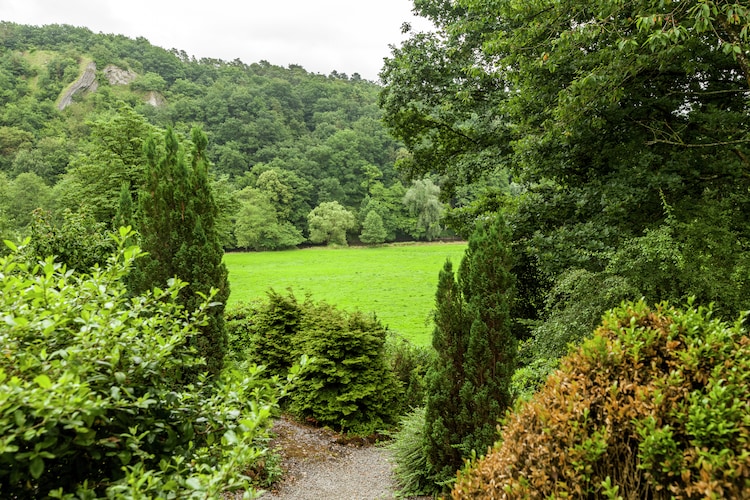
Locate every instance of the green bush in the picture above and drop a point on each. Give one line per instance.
(348, 384)
(409, 363)
(238, 322)
(275, 327)
(410, 455)
(655, 405)
(90, 399)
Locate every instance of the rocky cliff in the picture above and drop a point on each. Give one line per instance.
(86, 83)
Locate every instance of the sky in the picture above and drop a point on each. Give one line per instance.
(348, 36)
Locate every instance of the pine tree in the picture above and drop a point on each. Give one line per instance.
(444, 377)
(468, 385)
(177, 223)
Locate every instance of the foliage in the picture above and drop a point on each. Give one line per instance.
(321, 136)
(373, 230)
(21, 196)
(329, 222)
(623, 126)
(79, 242)
(469, 384)
(177, 223)
(422, 200)
(348, 384)
(409, 363)
(410, 456)
(274, 328)
(259, 225)
(655, 405)
(93, 403)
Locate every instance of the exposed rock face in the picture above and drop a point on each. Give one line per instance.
(116, 76)
(119, 76)
(86, 83)
(155, 99)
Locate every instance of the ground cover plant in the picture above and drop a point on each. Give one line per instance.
(396, 282)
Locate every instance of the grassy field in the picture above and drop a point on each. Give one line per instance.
(396, 282)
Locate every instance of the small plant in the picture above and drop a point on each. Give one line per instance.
(348, 384)
(410, 455)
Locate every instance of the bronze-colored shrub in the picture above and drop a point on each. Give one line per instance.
(655, 405)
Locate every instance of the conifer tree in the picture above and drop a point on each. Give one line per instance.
(468, 385)
(177, 223)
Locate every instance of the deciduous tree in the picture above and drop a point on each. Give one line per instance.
(329, 223)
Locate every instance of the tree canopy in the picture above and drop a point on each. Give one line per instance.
(623, 127)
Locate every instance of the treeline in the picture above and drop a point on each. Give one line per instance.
(281, 141)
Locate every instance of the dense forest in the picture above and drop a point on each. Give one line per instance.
(594, 154)
(281, 141)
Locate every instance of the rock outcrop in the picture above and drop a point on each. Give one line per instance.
(86, 83)
(119, 76)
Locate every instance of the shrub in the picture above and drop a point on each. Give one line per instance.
(239, 321)
(348, 384)
(469, 383)
(409, 363)
(655, 405)
(91, 400)
(410, 455)
(276, 325)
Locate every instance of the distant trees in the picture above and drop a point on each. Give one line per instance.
(423, 201)
(329, 223)
(177, 223)
(373, 230)
(259, 226)
(302, 139)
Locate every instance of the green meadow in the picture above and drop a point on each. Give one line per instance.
(395, 282)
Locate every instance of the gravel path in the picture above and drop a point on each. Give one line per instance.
(318, 465)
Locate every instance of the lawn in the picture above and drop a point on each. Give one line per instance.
(396, 282)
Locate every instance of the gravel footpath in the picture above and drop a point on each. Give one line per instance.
(319, 465)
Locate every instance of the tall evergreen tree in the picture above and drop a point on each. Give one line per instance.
(468, 385)
(177, 222)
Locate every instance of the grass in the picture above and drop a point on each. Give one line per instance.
(396, 282)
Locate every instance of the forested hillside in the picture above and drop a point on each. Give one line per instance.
(281, 141)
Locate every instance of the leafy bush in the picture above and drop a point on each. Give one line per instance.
(79, 241)
(90, 399)
(276, 325)
(655, 405)
(348, 385)
(238, 322)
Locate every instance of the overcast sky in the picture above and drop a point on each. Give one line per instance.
(349, 36)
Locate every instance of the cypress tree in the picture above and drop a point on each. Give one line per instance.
(177, 223)
(468, 385)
